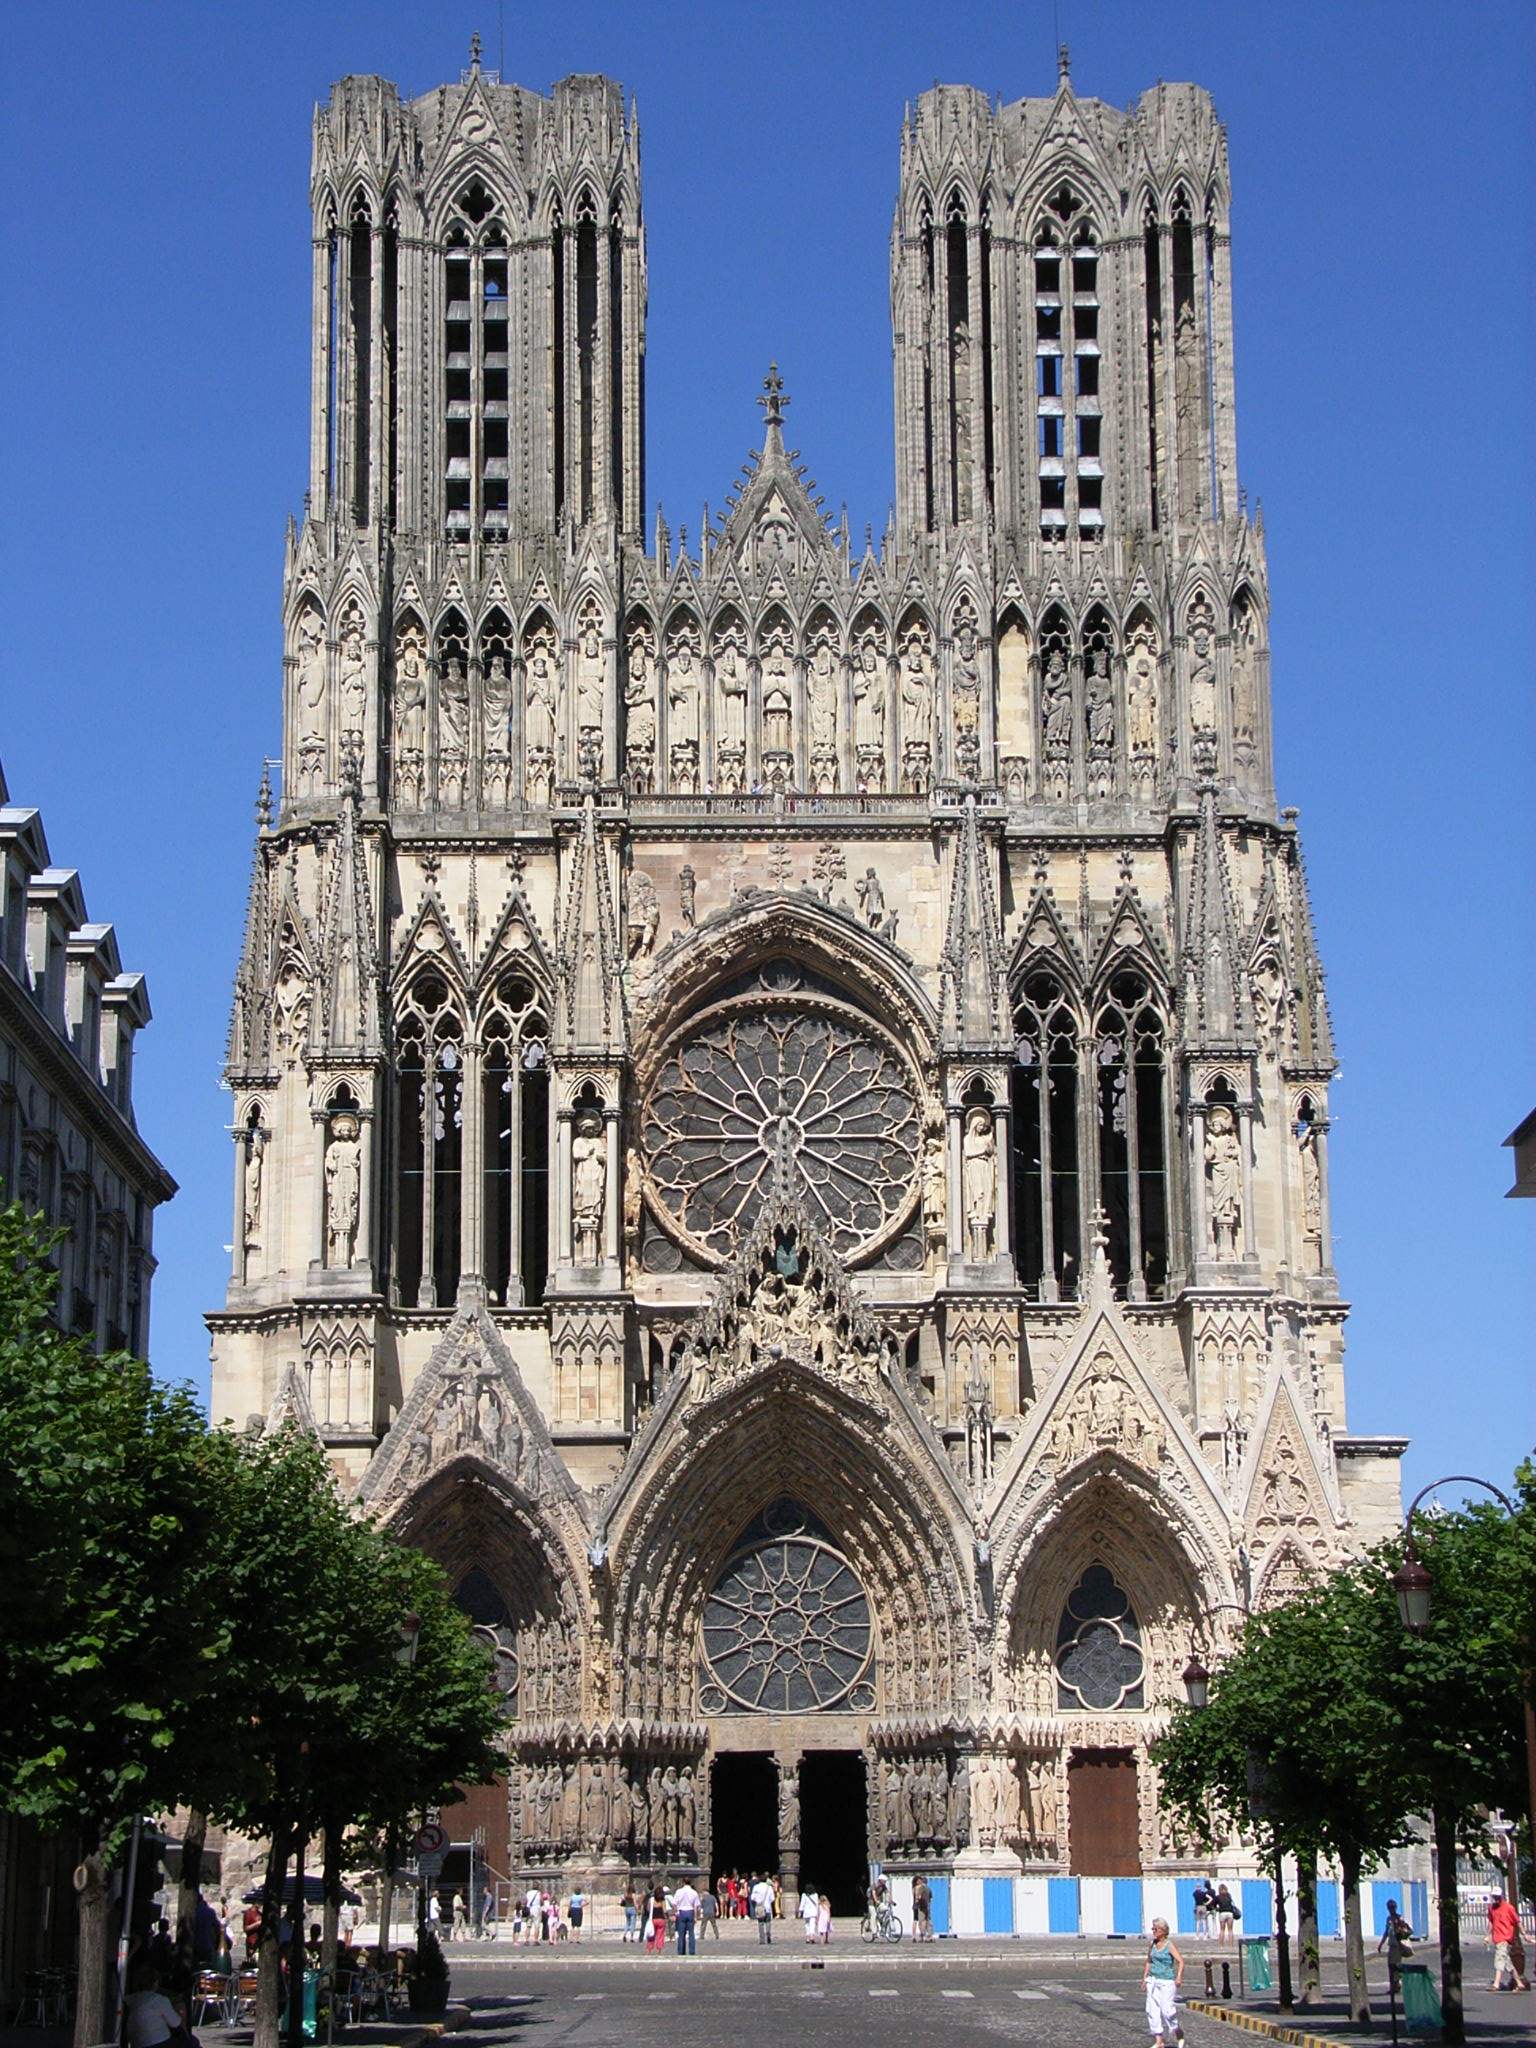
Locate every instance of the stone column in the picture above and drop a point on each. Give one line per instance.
(1243, 1117)
(612, 1129)
(1199, 1227)
(472, 1166)
(1002, 1139)
(561, 1180)
(426, 1292)
(1324, 1212)
(321, 1128)
(363, 1255)
(514, 1294)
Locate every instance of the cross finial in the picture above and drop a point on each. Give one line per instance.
(773, 400)
(1063, 63)
(474, 51)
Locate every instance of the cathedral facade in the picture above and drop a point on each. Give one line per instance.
(781, 1088)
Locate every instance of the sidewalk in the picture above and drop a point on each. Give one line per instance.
(1492, 2016)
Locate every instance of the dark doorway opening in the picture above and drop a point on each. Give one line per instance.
(744, 1811)
(1104, 1813)
(834, 1827)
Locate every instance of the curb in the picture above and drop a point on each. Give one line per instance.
(1296, 2037)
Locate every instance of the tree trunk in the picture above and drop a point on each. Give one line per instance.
(1310, 1956)
(93, 1906)
(269, 1983)
(387, 1889)
(1282, 1935)
(190, 1890)
(1354, 1944)
(1453, 2016)
(330, 1877)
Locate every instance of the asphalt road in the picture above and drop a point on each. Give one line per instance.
(718, 2002)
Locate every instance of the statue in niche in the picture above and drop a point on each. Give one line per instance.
(589, 1187)
(452, 727)
(343, 1186)
(1099, 692)
(410, 713)
(979, 1173)
(309, 676)
(687, 892)
(1141, 692)
(1244, 679)
(821, 712)
(255, 1166)
(543, 691)
(688, 1809)
(570, 1806)
(671, 1800)
(731, 737)
(496, 709)
(869, 698)
(1056, 705)
(1311, 1180)
(598, 1813)
(683, 681)
(640, 714)
(935, 1189)
(965, 466)
(634, 1199)
(290, 1010)
(352, 677)
(639, 1812)
(1223, 1182)
(916, 690)
(590, 676)
(960, 1805)
(1202, 668)
(966, 695)
(778, 694)
(871, 899)
(789, 1808)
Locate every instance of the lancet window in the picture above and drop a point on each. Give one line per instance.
(1069, 415)
(1046, 1199)
(1129, 1050)
(515, 1144)
(429, 1137)
(476, 317)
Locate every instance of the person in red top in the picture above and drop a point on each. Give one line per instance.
(1508, 1950)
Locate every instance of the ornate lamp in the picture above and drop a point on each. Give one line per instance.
(1412, 1585)
(1197, 1682)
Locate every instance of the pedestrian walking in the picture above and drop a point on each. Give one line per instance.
(658, 1940)
(1508, 1949)
(762, 1910)
(823, 1919)
(922, 1909)
(685, 1908)
(630, 1908)
(459, 1929)
(576, 1907)
(1204, 1899)
(1228, 1913)
(1397, 1940)
(807, 1911)
(1161, 1975)
(709, 1915)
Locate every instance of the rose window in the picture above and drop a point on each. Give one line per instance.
(1099, 1665)
(833, 1086)
(787, 1630)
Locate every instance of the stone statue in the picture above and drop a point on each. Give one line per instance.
(543, 705)
(965, 695)
(640, 713)
(979, 1166)
(671, 1797)
(682, 691)
(960, 1805)
(935, 1188)
(453, 708)
(589, 1187)
(687, 889)
(634, 1196)
(789, 1808)
(598, 1812)
(688, 1810)
(821, 700)
(778, 695)
(1244, 675)
(1202, 668)
(590, 676)
(869, 695)
(496, 712)
(1223, 1182)
(1141, 690)
(1311, 1180)
(639, 1813)
(1056, 705)
(731, 678)
(570, 1807)
(343, 1186)
(309, 676)
(255, 1150)
(916, 690)
(1186, 399)
(642, 915)
(871, 899)
(960, 372)
(1100, 699)
(352, 677)
(984, 1800)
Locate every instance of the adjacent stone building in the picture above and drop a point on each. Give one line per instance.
(781, 1088)
(69, 1149)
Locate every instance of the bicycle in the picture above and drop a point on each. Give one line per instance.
(881, 1924)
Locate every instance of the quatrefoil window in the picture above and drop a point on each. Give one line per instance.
(1099, 1664)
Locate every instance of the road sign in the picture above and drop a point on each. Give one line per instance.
(431, 1840)
(430, 1868)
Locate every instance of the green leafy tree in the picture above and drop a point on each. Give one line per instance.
(110, 1620)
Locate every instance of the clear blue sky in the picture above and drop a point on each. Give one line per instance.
(154, 379)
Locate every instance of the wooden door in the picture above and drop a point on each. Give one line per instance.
(1103, 1815)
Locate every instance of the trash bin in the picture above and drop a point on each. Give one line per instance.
(1421, 2001)
(311, 1998)
(1256, 1963)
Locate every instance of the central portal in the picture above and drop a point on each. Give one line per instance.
(834, 1827)
(744, 1812)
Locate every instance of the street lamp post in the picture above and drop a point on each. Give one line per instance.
(1413, 1584)
(1197, 1690)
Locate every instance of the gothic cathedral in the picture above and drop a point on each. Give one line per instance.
(781, 1088)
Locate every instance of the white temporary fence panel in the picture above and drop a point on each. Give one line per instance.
(1032, 1905)
(1097, 1896)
